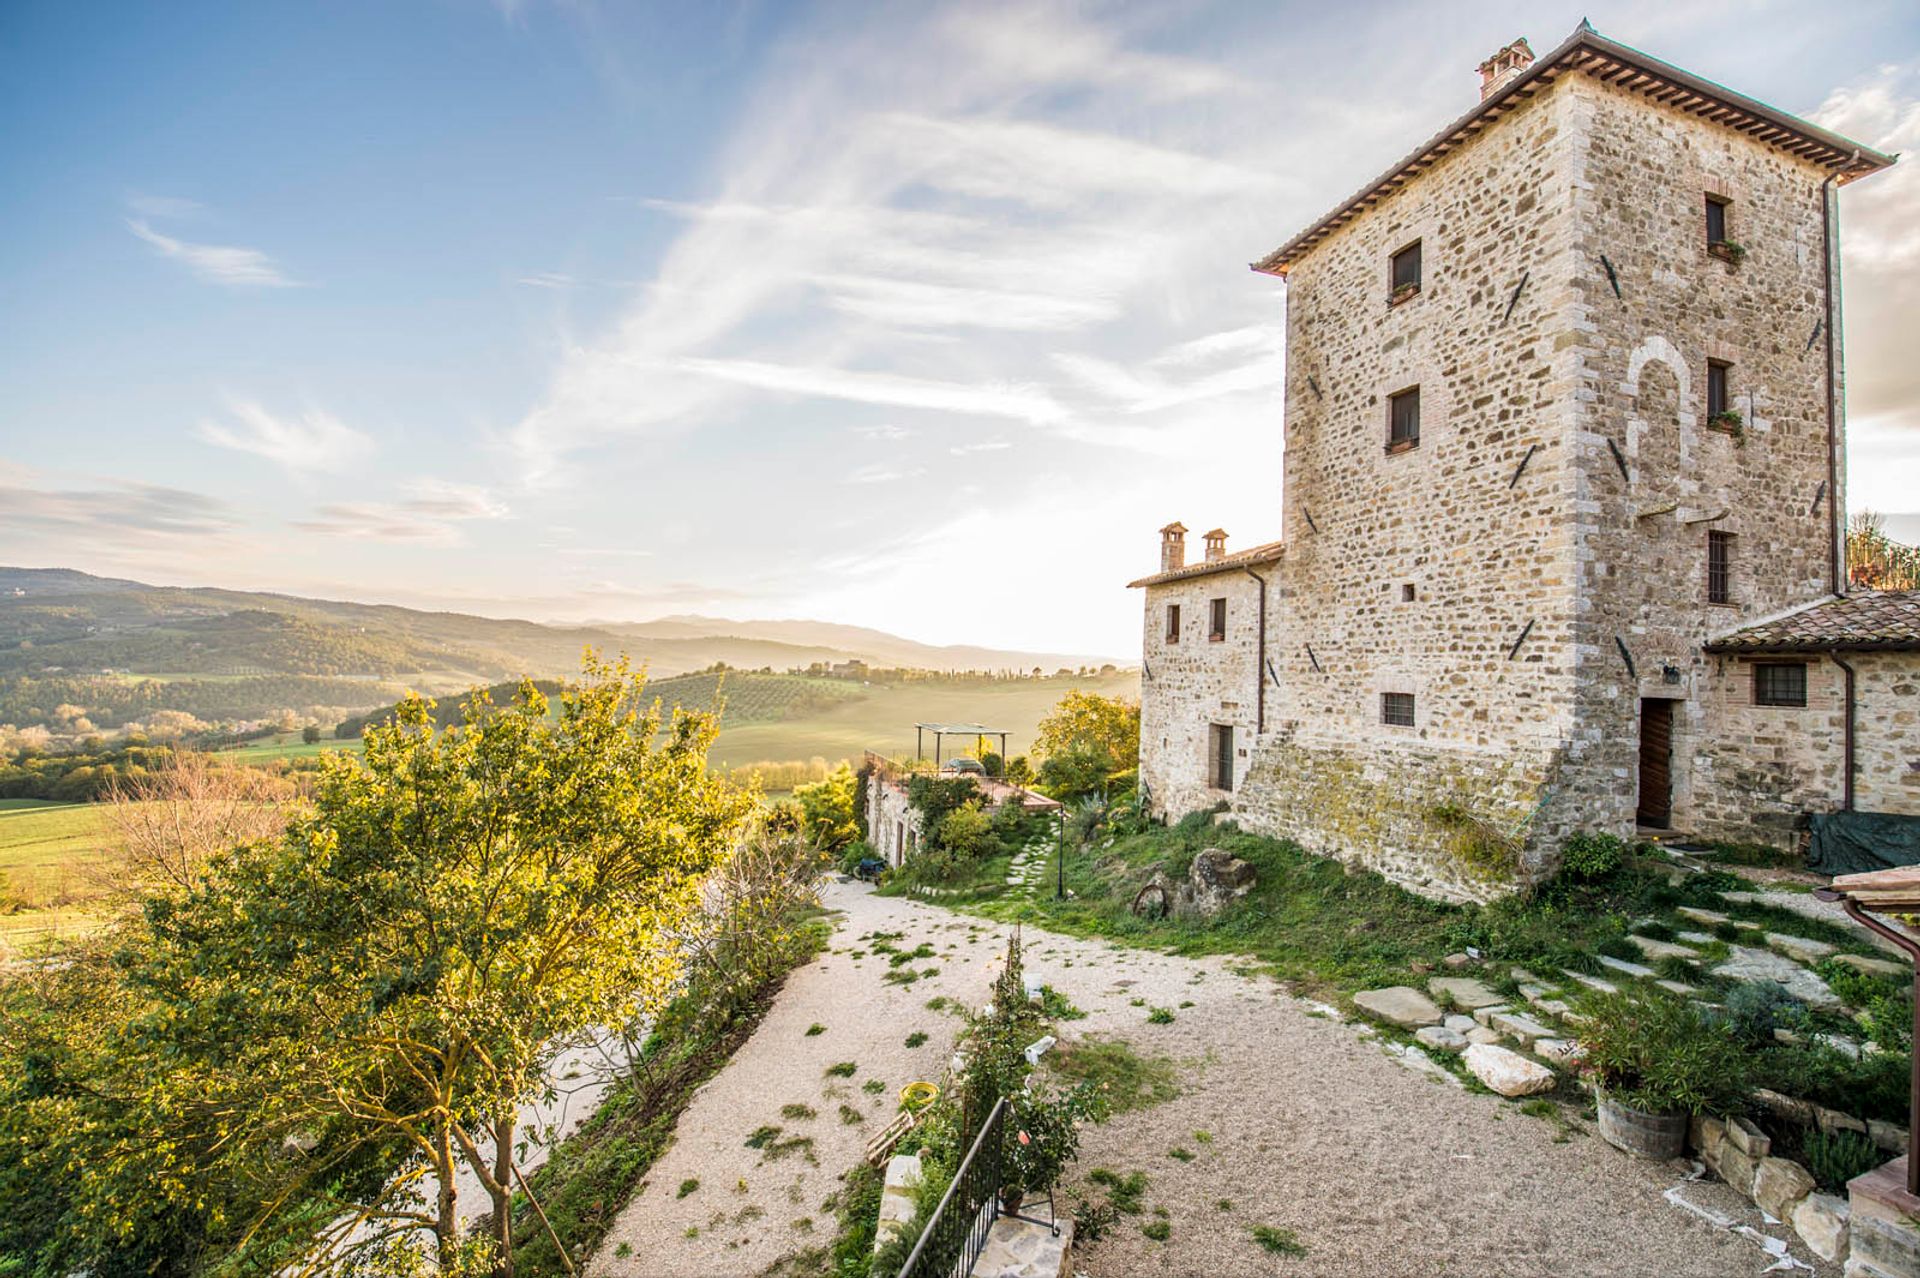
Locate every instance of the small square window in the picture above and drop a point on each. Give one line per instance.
(1716, 219)
(1403, 278)
(1217, 621)
(1780, 683)
(1403, 419)
(1719, 567)
(1719, 401)
(1173, 623)
(1396, 709)
(1407, 593)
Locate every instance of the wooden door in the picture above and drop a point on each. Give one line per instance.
(1222, 757)
(1656, 754)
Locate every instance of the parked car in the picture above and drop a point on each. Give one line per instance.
(972, 767)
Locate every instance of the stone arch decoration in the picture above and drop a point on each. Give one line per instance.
(1657, 349)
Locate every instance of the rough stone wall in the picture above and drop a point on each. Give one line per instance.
(893, 824)
(1887, 732)
(1760, 769)
(1191, 685)
(1488, 555)
(1644, 174)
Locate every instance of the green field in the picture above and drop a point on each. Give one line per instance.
(50, 854)
(881, 718)
(285, 745)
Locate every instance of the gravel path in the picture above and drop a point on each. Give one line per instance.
(1376, 1168)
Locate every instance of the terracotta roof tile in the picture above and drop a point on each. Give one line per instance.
(1242, 559)
(1871, 620)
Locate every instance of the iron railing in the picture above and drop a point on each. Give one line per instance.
(953, 1239)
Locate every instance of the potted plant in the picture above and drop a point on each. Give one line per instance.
(1655, 1062)
(1728, 251)
(1402, 291)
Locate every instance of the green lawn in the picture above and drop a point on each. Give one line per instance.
(285, 745)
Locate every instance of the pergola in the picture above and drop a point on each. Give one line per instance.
(941, 731)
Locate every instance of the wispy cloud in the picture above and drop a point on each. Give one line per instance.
(429, 514)
(876, 473)
(112, 513)
(222, 264)
(165, 206)
(312, 441)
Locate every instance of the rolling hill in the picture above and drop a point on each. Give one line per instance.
(120, 650)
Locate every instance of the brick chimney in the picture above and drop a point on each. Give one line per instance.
(1173, 546)
(1503, 66)
(1216, 544)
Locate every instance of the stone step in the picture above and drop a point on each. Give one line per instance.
(1623, 967)
(1592, 982)
(1799, 948)
(1654, 949)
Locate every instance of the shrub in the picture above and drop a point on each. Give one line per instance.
(1874, 1086)
(1659, 1055)
(1158, 1230)
(1588, 856)
(1160, 1016)
(966, 832)
(1837, 1157)
(1281, 1242)
(1754, 1009)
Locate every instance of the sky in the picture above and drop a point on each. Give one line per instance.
(916, 316)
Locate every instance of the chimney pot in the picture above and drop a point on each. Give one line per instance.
(1173, 546)
(1504, 66)
(1216, 544)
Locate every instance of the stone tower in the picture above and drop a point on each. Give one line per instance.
(1562, 404)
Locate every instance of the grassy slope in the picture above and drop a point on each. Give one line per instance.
(46, 852)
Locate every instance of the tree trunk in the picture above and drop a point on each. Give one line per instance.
(447, 1232)
(502, 1194)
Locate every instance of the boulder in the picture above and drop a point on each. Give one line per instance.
(1748, 1139)
(1457, 961)
(1887, 1137)
(1749, 964)
(1441, 1039)
(1215, 880)
(1778, 1186)
(1707, 1136)
(1821, 1222)
(1463, 991)
(1400, 1004)
(1506, 1071)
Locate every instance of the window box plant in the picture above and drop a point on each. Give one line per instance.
(1401, 292)
(1729, 421)
(1729, 251)
(1655, 1062)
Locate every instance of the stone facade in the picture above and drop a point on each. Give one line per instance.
(893, 824)
(1534, 566)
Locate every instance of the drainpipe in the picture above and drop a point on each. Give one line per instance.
(1846, 802)
(1260, 661)
(1836, 515)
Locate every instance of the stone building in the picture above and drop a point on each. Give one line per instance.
(1563, 423)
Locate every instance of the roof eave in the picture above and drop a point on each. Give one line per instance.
(1207, 568)
(1863, 161)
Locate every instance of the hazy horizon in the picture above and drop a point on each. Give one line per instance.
(921, 319)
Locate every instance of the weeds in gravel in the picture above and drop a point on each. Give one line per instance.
(1123, 1192)
(1128, 1080)
(797, 1110)
(1158, 1230)
(873, 1087)
(844, 1069)
(1278, 1241)
(849, 1115)
(762, 1136)
(816, 1029)
(916, 1038)
(1181, 1153)
(687, 1186)
(1160, 1016)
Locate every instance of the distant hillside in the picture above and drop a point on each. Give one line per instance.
(118, 650)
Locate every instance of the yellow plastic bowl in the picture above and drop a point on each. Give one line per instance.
(918, 1095)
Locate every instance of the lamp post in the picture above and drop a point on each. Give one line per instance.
(1895, 891)
(1060, 860)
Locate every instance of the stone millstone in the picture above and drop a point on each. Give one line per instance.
(1506, 1071)
(1748, 964)
(1400, 1004)
(1464, 992)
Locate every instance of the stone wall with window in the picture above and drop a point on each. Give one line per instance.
(1757, 769)
(893, 824)
(1192, 683)
(1645, 538)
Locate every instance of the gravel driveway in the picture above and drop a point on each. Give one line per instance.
(1375, 1167)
